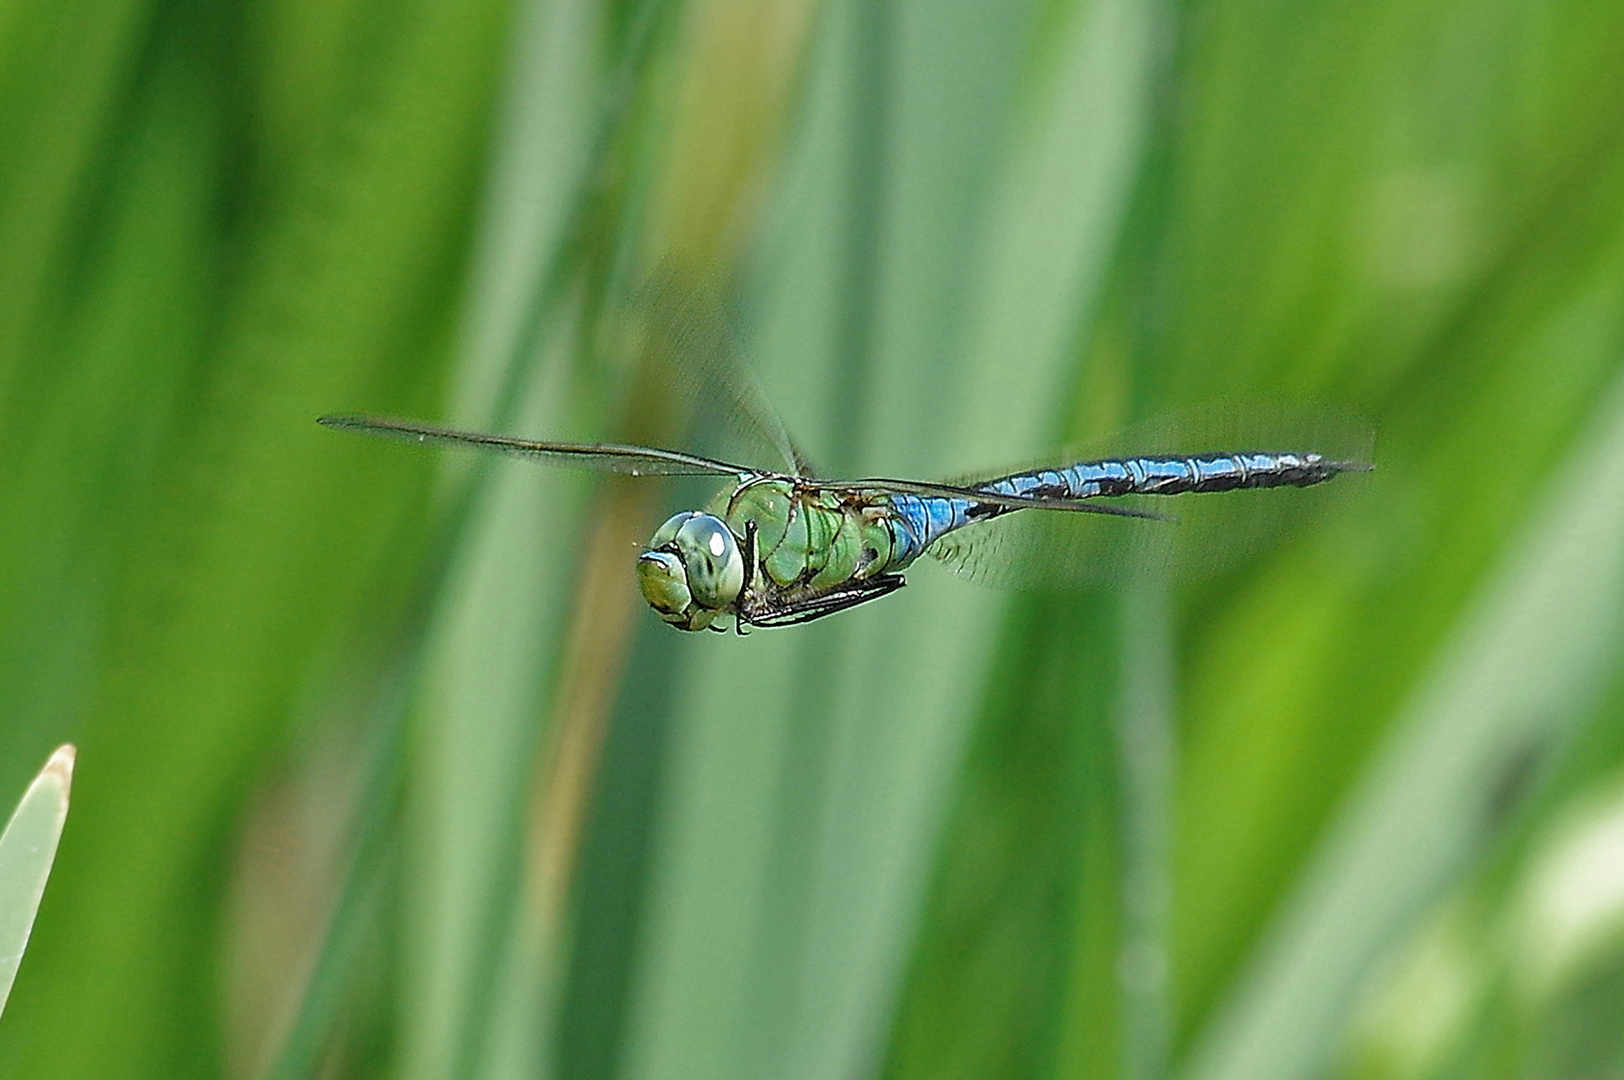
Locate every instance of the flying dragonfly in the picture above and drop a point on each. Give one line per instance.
(776, 548)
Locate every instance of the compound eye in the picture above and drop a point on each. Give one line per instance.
(668, 532)
(664, 585)
(710, 554)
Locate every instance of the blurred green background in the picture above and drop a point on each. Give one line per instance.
(384, 772)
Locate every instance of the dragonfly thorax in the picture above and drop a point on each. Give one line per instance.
(692, 570)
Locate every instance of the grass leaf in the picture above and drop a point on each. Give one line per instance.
(27, 850)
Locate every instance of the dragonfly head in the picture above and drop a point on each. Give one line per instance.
(692, 570)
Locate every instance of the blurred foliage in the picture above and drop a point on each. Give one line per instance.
(383, 770)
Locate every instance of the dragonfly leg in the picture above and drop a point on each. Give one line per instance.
(841, 598)
(739, 619)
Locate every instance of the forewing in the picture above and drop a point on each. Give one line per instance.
(598, 457)
(692, 343)
(873, 485)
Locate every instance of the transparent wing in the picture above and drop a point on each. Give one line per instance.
(1170, 538)
(690, 340)
(882, 485)
(598, 457)
(1039, 550)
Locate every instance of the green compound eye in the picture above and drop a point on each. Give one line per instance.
(710, 555)
(668, 532)
(663, 584)
(691, 570)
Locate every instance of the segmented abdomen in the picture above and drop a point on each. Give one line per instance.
(921, 520)
(918, 521)
(1168, 475)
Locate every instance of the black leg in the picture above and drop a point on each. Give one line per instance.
(749, 557)
(848, 596)
(739, 621)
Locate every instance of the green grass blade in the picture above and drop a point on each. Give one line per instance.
(27, 850)
(799, 821)
(1525, 664)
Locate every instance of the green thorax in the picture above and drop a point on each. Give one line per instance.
(809, 536)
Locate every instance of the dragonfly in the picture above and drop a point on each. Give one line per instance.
(778, 548)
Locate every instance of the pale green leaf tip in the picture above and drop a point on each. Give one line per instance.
(27, 850)
(60, 767)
